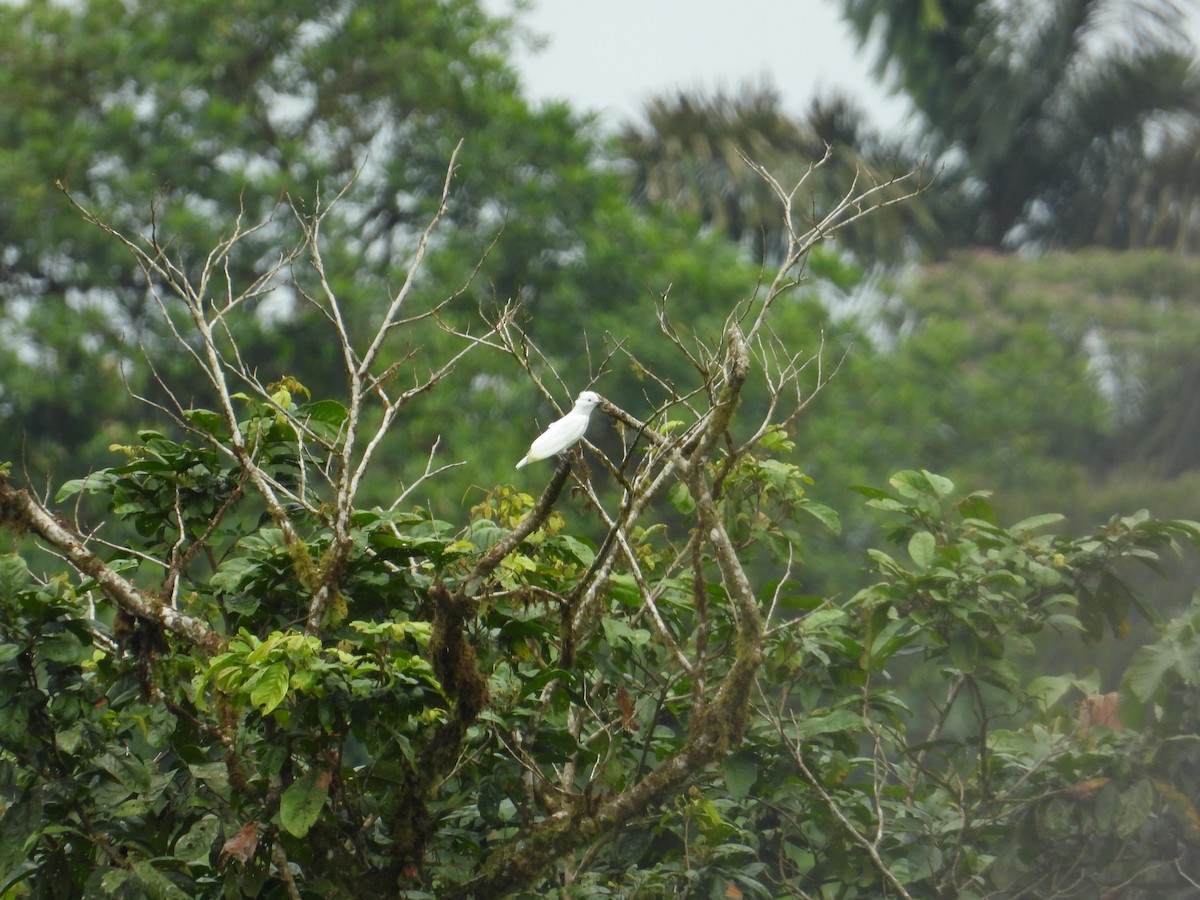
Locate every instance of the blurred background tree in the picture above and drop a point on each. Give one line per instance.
(1064, 124)
(1064, 382)
(181, 118)
(1060, 124)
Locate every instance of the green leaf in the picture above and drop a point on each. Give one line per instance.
(270, 688)
(826, 515)
(584, 554)
(14, 576)
(330, 412)
(976, 506)
(195, 846)
(942, 486)
(19, 828)
(62, 647)
(624, 590)
(263, 650)
(964, 650)
(544, 677)
(921, 547)
(894, 635)
(1050, 689)
(828, 723)
(1159, 663)
(681, 499)
(908, 483)
(490, 795)
(206, 420)
(1035, 522)
(871, 493)
(302, 802)
(130, 771)
(618, 632)
(822, 618)
(326, 418)
(232, 573)
(155, 883)
(94, 482)
(741, 771)
(885, 563)
(1133, 808)
(933, 17)
(215, 773)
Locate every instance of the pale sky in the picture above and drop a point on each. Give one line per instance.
(611, 56)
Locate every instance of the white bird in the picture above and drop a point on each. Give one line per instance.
(565, 432)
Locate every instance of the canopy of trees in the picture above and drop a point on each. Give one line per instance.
(266, 686)
(286, 292)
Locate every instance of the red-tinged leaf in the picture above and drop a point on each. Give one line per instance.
(1099, 710)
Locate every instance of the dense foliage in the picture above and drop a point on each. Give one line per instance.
(278, 618)
(1067, 381)
(165, 125)
(261, 686)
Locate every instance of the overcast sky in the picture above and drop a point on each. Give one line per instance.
(610, 56)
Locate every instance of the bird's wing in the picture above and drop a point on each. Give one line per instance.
(558, 436)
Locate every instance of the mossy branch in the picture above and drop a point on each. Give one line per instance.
(22, 513)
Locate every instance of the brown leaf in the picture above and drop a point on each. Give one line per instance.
(1082, 789)
(1182, 808)
(240, 846)
(627, 711)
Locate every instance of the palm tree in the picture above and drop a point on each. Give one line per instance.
(1068, 119)
(690, 154)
